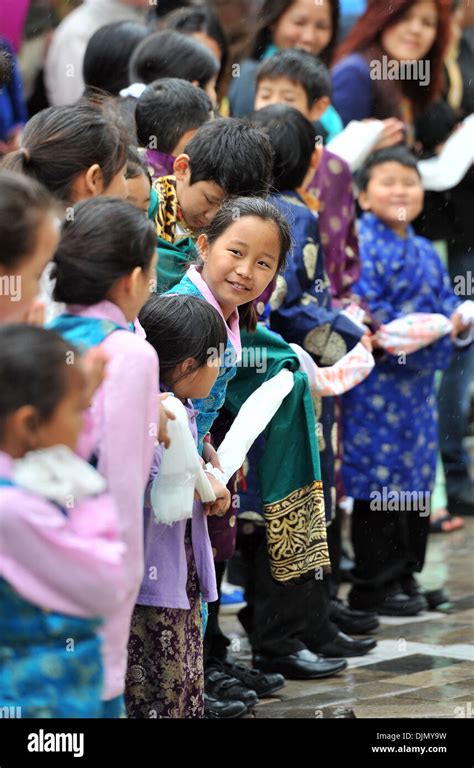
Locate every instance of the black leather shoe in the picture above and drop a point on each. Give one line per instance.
(217, 710)
(410, 587)
(302, 665)
(343, 645)
(400, 604)
(351, 621)
(225, 688)
(263, 683)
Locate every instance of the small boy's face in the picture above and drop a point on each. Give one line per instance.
(200, 201)
(394, 194)
(281, 90)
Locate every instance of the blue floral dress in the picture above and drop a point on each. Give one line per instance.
(390, 420)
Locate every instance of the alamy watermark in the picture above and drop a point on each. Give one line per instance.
(251, 357)
(401, 501)
(392, 69)
(10, 285)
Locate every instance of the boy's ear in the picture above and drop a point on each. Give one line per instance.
(203, 247)
(181, 166)
(319, 108)
(364, 201)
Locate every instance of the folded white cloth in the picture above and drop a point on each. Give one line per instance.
(58, 474)
(180, 473)
(336, 379)
(355, 143)
(447, 169)
(416, 330)
(252, 418)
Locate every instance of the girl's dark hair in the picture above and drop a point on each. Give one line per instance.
(33, 367)
(287, 127)
(23, 205)
(233, 210)
(136, 165)
(170, 54)
(179, 327)
(191, 20)
(108, 53)
(59, 143)
(105, 240)
(399, 154)
(365, 38)
(270, 13)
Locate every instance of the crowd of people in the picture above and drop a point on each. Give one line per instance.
(185, 231)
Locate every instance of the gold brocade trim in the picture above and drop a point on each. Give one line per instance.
(296, 533)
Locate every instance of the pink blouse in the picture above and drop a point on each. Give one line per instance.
(125, 426)
(68, 564)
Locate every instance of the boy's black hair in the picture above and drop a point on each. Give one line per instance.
(179, 327)
(33, 369)
(105, 240)
(170, 54)
(292, 137)
(234, 154)
(167, 6)
(136, 165)
(300, 67)
(23, 205)
(107, 56)
(62, 142)
(167, 109)
(399, 154)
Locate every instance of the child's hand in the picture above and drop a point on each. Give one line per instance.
(94, 364)
(209, 454)
(459, 325)
(164, 416)
(223, 498)
(367, 341)
(393, 133)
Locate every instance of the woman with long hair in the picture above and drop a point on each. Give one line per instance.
(391, 64)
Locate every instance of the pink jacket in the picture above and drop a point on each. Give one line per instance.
(68, 564)
(124, 422)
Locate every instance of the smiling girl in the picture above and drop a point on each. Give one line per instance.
(242, 250)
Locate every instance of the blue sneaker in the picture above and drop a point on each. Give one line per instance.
(232, 598)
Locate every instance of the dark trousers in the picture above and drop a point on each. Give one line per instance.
(279, 619)
(215, 642)
(388, 547)
(335, 553)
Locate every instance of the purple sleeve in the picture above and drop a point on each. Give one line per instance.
(352, 89)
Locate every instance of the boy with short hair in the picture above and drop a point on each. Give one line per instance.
(226, 157)
(300, 80)
(390, 419)
(167, 115)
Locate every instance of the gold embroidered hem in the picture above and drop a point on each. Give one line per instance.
(296, 534)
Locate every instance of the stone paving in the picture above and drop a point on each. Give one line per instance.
(422, 667)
